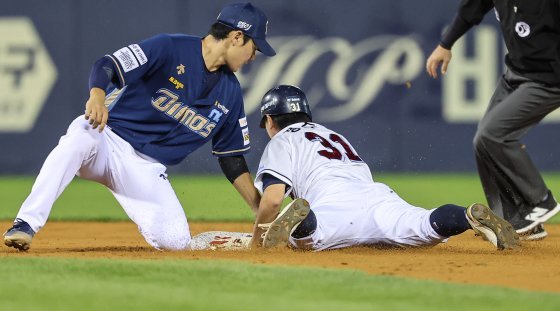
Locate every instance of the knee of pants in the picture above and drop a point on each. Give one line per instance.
(169, 238)
(483, 138)
(78, 143)
(171, 244)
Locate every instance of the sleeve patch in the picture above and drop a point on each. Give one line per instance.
(137, 50)
(126, 59)
(245, 133)
(243, 122)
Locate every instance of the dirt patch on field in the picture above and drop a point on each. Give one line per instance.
(464, 259)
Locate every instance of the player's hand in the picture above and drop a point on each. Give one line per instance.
(256, 243)
(96, 112)
(439, 56)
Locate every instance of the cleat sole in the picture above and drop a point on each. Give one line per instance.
(18, 240)
(496, 230)
(281, 228)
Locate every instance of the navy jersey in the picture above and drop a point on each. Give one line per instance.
(167, 104)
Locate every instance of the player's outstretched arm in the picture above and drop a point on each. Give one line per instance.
(96, 111)
(236, 171)
(244, 185)
(269, 208)
(440, 56)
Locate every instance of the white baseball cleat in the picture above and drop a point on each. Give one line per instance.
(19, 236)
(491, 227)
(280, 229)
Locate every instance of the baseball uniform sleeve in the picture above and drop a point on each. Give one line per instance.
(232, 138)
(277, 162)
(473, 11)
(137, 60)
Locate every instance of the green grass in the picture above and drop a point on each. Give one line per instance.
(72, 284)
(212, 198)
(78, 284)
(204, 198)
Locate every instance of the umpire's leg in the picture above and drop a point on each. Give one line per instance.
(509, 178)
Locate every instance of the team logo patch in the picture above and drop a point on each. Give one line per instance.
(140, 56)
(243, 122)
(178, 84)
(221, 107)
(126, 59)
(523, 29)
(244, 25)
(246, 138)
(180, 69)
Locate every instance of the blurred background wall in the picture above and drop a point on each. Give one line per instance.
(361, 62)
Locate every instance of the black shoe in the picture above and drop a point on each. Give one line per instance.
(526, 220)
(19, 235)
(520, 224)
(545, 210)
(535, 234)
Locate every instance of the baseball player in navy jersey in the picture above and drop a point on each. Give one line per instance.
(338, 204)
(151, 104)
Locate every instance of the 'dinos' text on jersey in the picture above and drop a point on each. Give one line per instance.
(166, 101)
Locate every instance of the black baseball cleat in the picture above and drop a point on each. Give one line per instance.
(524, 221)
(19, 235)
(280, 229)
(520, 224)
(535, 234)
(491, 227)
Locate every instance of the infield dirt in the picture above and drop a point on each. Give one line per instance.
(463, 259)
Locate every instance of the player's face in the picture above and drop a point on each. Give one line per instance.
(240, 54)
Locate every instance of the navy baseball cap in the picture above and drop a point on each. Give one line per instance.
(251, 21)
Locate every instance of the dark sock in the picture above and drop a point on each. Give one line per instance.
(449, 219)
(306, 226)
(548, 201)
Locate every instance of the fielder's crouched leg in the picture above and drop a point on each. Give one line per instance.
(173, 236)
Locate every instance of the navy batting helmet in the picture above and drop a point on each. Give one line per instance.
(284, 99)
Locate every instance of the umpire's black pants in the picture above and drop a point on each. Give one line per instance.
(510, 180)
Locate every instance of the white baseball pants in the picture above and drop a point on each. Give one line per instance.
(371, 214)
(138, 182)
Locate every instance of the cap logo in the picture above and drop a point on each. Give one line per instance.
(266, 28)
(244, 25)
